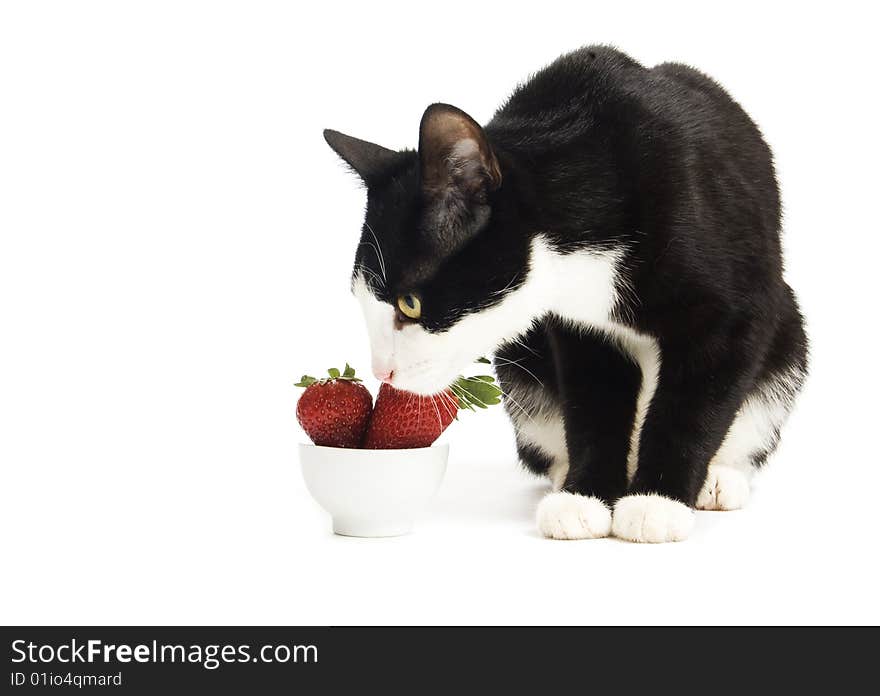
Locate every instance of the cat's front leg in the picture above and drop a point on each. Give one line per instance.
(699, 390)
(598, 386)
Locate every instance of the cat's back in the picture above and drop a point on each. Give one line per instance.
(709, 137)
(597, 120)
(567, 91)
(600, 87)
(698, 106)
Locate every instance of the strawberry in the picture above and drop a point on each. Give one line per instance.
(334, 411)
(403, 420)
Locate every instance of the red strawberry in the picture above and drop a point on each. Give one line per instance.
(334, 411)
(402, 419)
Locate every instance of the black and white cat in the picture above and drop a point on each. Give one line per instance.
(612, 236)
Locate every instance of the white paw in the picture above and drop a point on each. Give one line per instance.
(572, 516)
(652, 518)
(725, 489)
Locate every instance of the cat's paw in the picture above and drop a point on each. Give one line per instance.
(725, 489)
(571, 516)
(652, 519)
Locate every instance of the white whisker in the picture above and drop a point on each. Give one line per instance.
(516, 363)
(378, 251)
(446, 402)
(516, 403)
(372, 246)
(372, 274)
(503, 290)
(437, 410)
(520, 343)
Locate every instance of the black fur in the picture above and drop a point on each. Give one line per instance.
(597, 151)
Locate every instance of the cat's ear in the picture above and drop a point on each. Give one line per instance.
(368, 160)
(455, 154)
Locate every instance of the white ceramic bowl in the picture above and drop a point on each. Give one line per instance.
(373, 493)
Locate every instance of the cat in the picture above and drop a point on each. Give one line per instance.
(612, 237)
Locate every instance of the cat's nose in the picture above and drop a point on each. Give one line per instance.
(383, 374)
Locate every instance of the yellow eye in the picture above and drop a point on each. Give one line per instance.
(410, 305)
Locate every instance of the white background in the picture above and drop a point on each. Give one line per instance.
(175, 252)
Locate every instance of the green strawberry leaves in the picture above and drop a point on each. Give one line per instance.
(476, 392)
(347, 374)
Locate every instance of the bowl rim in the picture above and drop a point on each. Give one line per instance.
(361, 450)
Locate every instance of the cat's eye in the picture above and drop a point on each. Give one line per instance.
(410, 305)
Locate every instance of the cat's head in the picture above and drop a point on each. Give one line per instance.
(435, 272)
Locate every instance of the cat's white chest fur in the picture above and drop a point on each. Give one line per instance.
(582, 287)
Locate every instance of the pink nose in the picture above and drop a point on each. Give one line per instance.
(384, 375)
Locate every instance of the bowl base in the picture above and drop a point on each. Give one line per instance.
(352, 527)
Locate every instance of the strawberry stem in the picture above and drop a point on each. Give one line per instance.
(348, 374)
